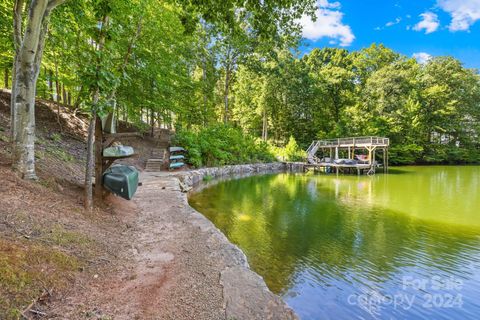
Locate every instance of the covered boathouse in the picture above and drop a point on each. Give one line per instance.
(349, 155)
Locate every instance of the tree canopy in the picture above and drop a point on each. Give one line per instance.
(192, 64)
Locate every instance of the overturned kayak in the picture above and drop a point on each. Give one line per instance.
(177, 157)
(176, 149)
(121, 180)
(176, 165)
(118, 151)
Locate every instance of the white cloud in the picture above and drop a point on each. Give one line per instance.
(464, 13)
(328, 5)
(422, 57)
(392, 23)
(429, 23)
(328, 24)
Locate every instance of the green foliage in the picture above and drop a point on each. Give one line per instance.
(207, 178)
(194, 63)
(56, 137)
(60, 154)
(430, 112)
(291, 151)
(221, 145)
(6, 45)
(405, 154)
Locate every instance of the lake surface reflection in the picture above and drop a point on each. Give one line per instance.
(400, 246)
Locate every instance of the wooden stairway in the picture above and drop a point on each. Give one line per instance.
(312, 151)
(156, 161)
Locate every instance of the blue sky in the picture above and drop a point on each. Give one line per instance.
(419, 28)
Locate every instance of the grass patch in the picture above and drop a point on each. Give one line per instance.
(207, 178)
(60, 154)
(61, 237)
(3, 137)
(26, 270)
(47, 183)
(39, 154)
(56, 137)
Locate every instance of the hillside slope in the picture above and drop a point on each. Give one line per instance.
(49, 246)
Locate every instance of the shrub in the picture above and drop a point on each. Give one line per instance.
(221, 144)
(405, 154)
(291, 151)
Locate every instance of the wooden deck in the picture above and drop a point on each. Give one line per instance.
(363, 168)
(359, 142)
(335, 148)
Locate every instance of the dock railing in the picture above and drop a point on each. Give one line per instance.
(354, 141)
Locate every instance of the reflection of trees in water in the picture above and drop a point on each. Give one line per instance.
(286, 223)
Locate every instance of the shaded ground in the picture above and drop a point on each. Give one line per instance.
(48, 243)
(151, 258)
(182, 268)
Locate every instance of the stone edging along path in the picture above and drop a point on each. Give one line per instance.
(224, 286)
(193, 178)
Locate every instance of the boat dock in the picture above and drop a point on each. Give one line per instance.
(348, 155)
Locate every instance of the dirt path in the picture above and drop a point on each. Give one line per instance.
(151, 258)
(180, 267)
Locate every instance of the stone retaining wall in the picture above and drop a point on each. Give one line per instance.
(245, 292)
(193, 178)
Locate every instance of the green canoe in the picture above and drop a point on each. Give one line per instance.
(121, 180)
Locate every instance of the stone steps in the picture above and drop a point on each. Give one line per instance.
(157, 160)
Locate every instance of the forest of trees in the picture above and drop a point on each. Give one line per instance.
(196, 65)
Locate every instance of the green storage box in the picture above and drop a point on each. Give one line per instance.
(121, 180)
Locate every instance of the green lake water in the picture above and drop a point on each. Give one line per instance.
(400, 246)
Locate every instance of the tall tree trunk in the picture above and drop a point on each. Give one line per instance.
(152, 122)
(58, 116)
(91, 159)
(64, 94)
(24, 113)
(88, 196)
(17, 42)
(205, 92)
(117, 114)
(6, 76)
(44, 91)
(58, 93)
(227, 84)
(50, 84)
(265, 125)
(28, 56)
(78, 100)
(12, 101)
(98, 159)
